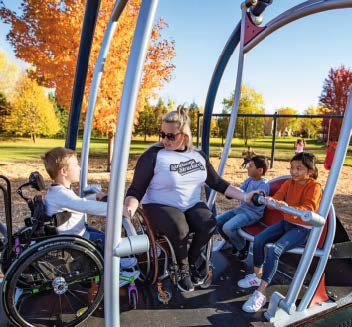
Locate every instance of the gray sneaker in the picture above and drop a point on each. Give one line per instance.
(185, 283)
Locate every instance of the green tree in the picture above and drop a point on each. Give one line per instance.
(61, 114)
(193, 110)
(146, 122)
(251, 102)
(5, 110)
(223, 125)
(286, 124)
(33, 113)
(149, 120)
(159, 110)
(311, 127)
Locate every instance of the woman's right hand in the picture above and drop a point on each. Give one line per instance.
(126, 212)
(130, 206)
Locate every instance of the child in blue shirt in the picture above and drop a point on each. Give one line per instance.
(245, 214)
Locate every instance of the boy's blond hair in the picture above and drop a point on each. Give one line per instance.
(57, 158)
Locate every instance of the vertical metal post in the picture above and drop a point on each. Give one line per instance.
(236, 101)
(273, 141)
(214, 84)
(198, 128)
(328, 138)
(88, 26)
(331, 183)
(120, 158)
(94, 88)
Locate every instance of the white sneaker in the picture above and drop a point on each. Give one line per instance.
(126, 263)
(128, 274)
(249, 281)
(254, 303)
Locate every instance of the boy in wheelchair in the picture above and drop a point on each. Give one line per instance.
(62, 166)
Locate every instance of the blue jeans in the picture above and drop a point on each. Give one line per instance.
(230, 222)
(284, 236)
(95, 235)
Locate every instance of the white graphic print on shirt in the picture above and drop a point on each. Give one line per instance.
(177, 180)
(187, 167)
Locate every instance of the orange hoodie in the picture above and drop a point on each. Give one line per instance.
(302, 197)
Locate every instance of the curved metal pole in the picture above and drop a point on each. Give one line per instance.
(236, 101)
(288, 304)
(120, 158)
(88, 26)
(214, 84)
(94, 88)
(329, 240)
(302, 10)
(336, 167)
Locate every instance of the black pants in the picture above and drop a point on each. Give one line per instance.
(176, 226)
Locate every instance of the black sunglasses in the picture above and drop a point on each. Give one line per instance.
(169, 136)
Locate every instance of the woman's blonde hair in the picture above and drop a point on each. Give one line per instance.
(180, 117)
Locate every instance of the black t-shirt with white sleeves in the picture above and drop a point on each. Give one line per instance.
(173, 178)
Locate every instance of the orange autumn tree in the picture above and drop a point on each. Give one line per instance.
(46, 33)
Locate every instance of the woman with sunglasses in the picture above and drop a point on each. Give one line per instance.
(167, 181)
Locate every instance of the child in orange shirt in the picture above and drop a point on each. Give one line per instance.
(302, 192)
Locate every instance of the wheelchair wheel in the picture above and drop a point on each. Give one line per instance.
(9, 255)
(148, 261)
(57, 282)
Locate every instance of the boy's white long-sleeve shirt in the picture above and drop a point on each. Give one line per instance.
(60, 198)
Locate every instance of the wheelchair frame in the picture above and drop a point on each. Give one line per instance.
(49, 280)
(156, 267)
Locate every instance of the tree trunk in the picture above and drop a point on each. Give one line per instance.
(111, 139)
(33, 137)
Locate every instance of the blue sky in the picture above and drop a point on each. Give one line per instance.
(288, 68)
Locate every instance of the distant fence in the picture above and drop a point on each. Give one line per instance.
(275, 117)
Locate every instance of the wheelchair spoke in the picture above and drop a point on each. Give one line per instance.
(50, 286)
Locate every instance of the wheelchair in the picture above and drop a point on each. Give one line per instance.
(160, 262)
(49, 279)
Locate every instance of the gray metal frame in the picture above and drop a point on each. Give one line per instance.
(120, 159)
(94, 88)
(236, 102)
(282, 310)
(115, 247)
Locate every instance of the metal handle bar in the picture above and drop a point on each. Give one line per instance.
(307, 216)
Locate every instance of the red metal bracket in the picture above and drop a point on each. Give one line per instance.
(251, 30)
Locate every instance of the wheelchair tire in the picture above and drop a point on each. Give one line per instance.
(148, 261)
(56, 282)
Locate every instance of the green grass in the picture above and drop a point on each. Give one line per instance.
(284, 148)
(21, 149)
